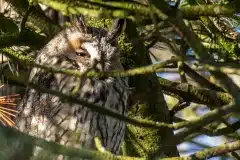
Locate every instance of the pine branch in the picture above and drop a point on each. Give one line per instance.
(201, 52)
(27, 60)
(132, 9)
(224, 96)
(200, 121)
(173, 18)
(83, 153)
(97, 108)
(186, 91)
(9, 133)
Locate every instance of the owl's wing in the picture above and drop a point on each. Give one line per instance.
(46, 116)
(31, 105)
(33, 101)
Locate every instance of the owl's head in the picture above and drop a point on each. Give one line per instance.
(88, 46)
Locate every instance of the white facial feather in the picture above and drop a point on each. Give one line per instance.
(92, 49)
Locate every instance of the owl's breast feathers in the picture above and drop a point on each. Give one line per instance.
(46, 116)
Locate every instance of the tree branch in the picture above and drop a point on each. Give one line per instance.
(196, 11)
(191, 93)
(83, 153)
(215, 151)
(27, 60)
(8, 132)
(36, 17)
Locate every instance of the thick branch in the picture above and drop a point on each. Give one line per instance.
(130, 9)
(203, 120)
(194, 12)
(82, 153)
(99, 109)
(57, 148)
(191, 93)
(186, 91)
(215, 151)
(213, 113)
(27, 60)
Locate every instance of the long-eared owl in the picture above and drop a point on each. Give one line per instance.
(82, 48)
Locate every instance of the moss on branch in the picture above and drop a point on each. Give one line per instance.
(13, 134)
(132, 9)
(97, 108)
(95, 9)
(211, 152)
(148, 124)
(195, 11)
(191, 93)
(27, 60)
(186, 91)
(17, 56)
(142, 123)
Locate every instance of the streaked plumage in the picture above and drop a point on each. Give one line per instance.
(46, 116)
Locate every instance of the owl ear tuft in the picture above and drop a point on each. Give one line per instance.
(79, 23)
(118, 28)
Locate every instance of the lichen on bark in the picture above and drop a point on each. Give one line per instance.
(143, 142)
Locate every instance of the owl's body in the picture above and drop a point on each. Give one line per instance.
(47, 116)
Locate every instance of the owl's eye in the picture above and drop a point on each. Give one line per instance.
(82, 53)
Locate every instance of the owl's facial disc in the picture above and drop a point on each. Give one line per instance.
(84, 48)
(84, 53)
(95, 52)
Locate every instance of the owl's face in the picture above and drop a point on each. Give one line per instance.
(88, 47)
